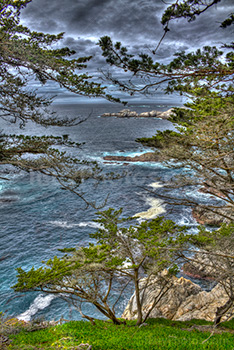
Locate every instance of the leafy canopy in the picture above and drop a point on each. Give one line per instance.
(100, 272)
(203, 144)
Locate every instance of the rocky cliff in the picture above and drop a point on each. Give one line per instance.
(183, 301)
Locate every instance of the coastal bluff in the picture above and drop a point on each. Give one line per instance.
(127, 113)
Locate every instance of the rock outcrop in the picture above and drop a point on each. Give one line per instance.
(145, 157)
(127, 113)
(201, 267)
(183, 301)
(203, 305)
(206, 217)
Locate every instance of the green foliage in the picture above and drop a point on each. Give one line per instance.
(28, 56)
(159, 333)
(220, 242)
(134, 244)
(208, 68)
(190, 73)
(118, 55)
(122, 254)
(161, 139)
(229, 21)
(188, 9)
(204, 145)
(56, 270)
(25, 54)
(204, 142)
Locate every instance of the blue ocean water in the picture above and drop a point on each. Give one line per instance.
(38, 217)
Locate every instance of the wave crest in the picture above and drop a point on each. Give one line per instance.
(156, 209)
(39, 303)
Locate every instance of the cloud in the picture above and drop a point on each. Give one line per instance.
(85, 48)
(135, 23)
(119, 18)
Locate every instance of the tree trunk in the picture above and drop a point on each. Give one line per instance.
(111, 314)
(138, 299)
(115, 320)
(220, 312)
(105, 310)
(162, 292)
(113, 317)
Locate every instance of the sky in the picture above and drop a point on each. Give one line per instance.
(136, 23)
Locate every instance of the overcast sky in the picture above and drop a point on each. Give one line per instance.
(136, 23)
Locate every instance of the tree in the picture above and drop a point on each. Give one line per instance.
(99, 274)
(203, 144)
(202, 147)
(203, 68)
(28, 56)
(86, 276)
(206, 153)
(212, 252)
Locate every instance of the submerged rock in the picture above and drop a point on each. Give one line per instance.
(9, 199)
(183, 301)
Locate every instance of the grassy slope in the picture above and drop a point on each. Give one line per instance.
(159, 334)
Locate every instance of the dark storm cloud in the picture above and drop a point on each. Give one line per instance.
(205, 30)
(134, 22)
(86, 47)
(119, 18)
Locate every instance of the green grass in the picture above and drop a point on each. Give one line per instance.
(159, 334)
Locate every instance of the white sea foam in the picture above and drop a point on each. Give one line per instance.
(39, 303)
(65, 224)
(156, 185)
(195, 193)
(188, 221)
(90, 224)
(129, 153)
(157, 165)
(156, 208)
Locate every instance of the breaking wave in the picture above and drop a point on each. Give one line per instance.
(156, 208)
(39, 303)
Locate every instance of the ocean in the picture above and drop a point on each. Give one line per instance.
(38, 217)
